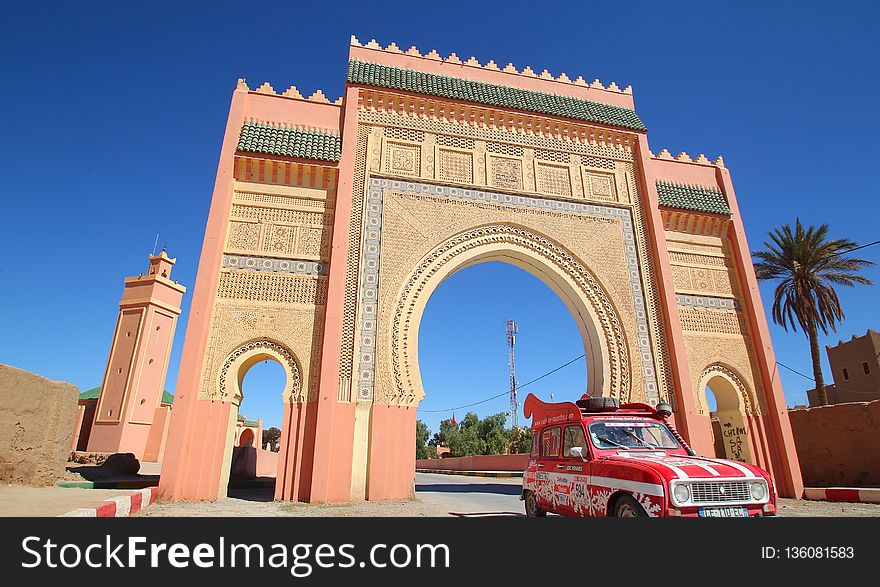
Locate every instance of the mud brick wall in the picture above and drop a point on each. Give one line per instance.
(838, 445)
(37, 417)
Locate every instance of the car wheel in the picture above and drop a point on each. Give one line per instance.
(532, 509)
(627, 507)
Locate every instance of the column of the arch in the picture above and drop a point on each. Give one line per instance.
(198, 428)
(293, 479)
(334, 426)
(286, 456)
(785, 466)
(695, 428)
(392, 452)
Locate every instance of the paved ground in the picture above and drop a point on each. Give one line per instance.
(437, 496)
(50, 501)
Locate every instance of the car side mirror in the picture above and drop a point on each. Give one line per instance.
(577, 451)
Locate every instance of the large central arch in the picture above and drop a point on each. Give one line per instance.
(576, 285)
(417, 233)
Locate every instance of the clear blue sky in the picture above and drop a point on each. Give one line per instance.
(114, 114)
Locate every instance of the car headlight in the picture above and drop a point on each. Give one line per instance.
(682, 493)
(759, 491)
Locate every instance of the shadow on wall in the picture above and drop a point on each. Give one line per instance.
(838, 445)
(252, 476)
(249, 462)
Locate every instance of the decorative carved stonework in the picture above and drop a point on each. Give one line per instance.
(448, 157)
(507, 173)
(426, 203)
(455, 165)
(553, 180)
(601, 186)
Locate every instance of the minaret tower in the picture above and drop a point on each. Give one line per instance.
(135, 377)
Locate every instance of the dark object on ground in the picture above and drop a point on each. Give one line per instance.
(116, 465)
(123, 463)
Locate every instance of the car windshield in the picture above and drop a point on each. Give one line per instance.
(631, 435)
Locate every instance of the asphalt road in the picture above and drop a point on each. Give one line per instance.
(470, 496)
(436, 496)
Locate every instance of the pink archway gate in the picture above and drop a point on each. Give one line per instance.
(321, 212)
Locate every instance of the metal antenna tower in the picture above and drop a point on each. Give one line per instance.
(511, 343)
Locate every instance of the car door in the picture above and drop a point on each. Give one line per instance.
(551, 443)
(573, 497)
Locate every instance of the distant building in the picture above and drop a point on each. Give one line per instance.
(855, 367)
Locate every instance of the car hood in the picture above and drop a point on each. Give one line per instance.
(687, 467)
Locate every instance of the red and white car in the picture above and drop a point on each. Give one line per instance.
(595, 458)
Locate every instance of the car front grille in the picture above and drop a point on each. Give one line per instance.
(720, 491)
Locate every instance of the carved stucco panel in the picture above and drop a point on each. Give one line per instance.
(234, 324)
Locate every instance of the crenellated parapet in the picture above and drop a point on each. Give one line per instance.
(683, 157)
(490, 65)
(291, 92)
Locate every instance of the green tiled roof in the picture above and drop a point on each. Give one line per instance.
(373, 74)
(91, 394)
(289, 142)
(251, 422)
(690, 197)
(95, 392)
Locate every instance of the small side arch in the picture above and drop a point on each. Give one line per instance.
(246, 355)
(734, 407)
(246, 438)
(741, 399)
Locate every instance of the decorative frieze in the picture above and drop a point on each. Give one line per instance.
(272, 265)
(707, 302)
(272, 288)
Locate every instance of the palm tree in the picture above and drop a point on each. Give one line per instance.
(807, 266)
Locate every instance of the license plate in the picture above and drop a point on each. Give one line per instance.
(728, 512)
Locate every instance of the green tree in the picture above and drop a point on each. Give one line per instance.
(422, 434)
(271, 435)
(439, 438)
(463, 440)
(807, 266)
(491, 431)
(473, 436)
(520, 440)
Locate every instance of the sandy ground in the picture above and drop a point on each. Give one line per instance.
(822, 509)
(17, 500)
(438, 496)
